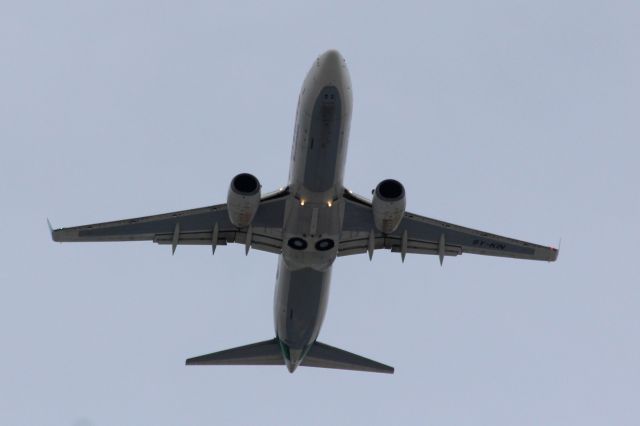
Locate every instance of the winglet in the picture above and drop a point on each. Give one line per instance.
(50, 229)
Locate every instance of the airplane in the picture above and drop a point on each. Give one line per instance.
(309, 223)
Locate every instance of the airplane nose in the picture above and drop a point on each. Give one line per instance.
(332, 58)
(331, 67)
(331, 62)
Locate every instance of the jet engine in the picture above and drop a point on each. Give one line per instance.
(243, 199)
(388, 205)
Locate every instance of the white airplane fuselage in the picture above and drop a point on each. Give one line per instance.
(315, 209)
(306, 225)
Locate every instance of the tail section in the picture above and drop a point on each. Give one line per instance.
(325, 356)
(261, 353)
(271, 352)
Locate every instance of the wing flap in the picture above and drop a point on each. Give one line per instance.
(360, 245)
(258, 241)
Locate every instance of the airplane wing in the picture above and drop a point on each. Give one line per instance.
(202, 226)
(422, 235)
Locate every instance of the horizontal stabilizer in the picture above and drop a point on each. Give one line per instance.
(325, 356)
(261, 353)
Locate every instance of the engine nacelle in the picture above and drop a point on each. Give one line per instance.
(243, 199)
(388, 203)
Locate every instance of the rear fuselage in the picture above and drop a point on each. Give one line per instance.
(314, 212)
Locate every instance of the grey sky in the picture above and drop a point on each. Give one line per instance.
(517, 117)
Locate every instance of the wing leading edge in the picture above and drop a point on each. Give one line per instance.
(201, 226)
(423, 235)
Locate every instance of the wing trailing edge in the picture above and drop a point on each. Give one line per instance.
(261, 353)
(325, 356)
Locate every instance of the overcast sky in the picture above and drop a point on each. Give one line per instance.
(515, 117)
